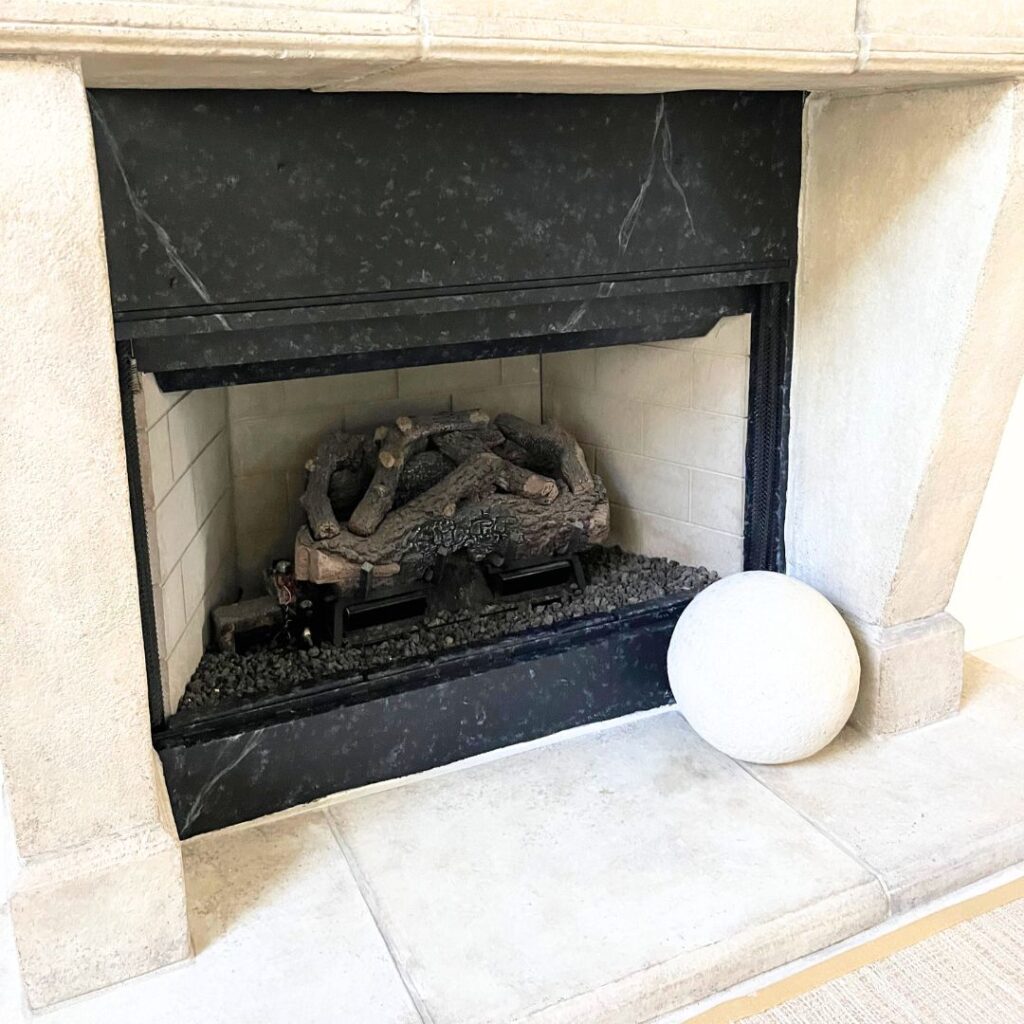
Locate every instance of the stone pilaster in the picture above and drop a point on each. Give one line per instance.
(98, 893)
(908, 355)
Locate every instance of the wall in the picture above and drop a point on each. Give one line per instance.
(664, 425)
(275, 427)
(184, 443)
(988, 597)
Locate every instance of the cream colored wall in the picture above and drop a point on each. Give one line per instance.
(98, 895)
(988, 597)
(275, 427)
(184, 444)
(8, 851)
(664, 425)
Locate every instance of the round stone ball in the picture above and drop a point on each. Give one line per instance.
(763, 668)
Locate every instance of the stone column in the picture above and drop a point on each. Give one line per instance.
(909, 349)
(98, 893)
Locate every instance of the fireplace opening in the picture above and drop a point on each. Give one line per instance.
(438, 410)
(326, 529)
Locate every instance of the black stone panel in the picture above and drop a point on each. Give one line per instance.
(265, 759)
(416, 333)
(220, 198)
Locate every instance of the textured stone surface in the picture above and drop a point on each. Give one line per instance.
(883, 494)
(81, 926)
(933, 809)
(447, 45)
(763, 668)
(881, 535)
(911, 673)
(606, 878)
(81, 785)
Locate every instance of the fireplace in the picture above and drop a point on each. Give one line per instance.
(910, 216)
(307, 289)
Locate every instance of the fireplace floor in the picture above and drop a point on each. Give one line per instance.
(608, 875)
(461, 614)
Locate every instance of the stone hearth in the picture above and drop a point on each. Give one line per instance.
(906, 361)
(582, 897)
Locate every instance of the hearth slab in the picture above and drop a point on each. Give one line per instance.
(605, 878)
(931, 810)
(281, 934)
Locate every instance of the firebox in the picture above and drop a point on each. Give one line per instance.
(438, 409)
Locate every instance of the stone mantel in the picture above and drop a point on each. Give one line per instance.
(531, 45)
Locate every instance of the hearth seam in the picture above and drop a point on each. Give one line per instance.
(366, 891)
(331, 85)
(834, 840)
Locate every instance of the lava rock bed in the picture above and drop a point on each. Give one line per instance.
(616, 578)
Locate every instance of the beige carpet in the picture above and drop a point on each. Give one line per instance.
(972, 973)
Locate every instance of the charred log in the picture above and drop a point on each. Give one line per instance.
(551, 449)
(408, 436)
(338, 452)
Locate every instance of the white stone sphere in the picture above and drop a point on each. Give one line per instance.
(763, 668)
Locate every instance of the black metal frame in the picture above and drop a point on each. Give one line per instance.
(767, 463)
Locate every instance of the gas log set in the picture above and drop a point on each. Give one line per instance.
(429, 535)
(506, 492)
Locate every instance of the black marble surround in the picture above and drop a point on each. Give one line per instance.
(261, 235)
(266, 235)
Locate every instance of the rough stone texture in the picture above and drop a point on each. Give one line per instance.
(777, 690)
(912, 673)
(282, 934)
(81, 783)
(81, 925)
(607, 46)
(941, 29)
(883, 493)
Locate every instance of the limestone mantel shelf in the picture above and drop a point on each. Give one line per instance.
(449, 45)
